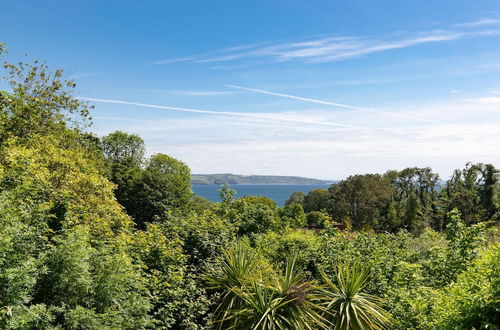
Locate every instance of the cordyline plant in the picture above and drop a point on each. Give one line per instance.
(238, 265)
(290, 301)
(348, 307)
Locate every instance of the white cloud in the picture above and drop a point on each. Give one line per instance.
(81, 75)
(336, 48)
(335, 154)
(293, 143)
(494, 90)
(380, 46)
(485, 100)
(281, 117)
(334, 104)
(480, 22)
(201, 93)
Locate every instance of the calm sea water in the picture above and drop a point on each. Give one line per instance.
(277, 192)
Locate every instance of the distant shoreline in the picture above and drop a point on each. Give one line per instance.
(277, 192)
(266, 184)
(235, 179)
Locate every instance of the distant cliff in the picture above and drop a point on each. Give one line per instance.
(251, 179)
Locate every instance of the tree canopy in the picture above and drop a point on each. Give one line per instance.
(94, 235)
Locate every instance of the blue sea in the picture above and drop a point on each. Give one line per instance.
(277, 192)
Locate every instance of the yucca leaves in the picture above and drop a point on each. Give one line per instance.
(289, 300)
(348, 307)
(290, 303)
(238, 266)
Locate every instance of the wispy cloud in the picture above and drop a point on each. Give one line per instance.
(494, 90)
(380, 46)
(484, 100)
(327, 49)
(280, 117)
(201, 93)
(285, 142)
(261, 149)
(335, 104)
(82, 75)
(480, 22)
(199, 57)
(179, 59)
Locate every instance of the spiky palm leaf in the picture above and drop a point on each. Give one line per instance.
(262, 309)
(238, 265)
(290, 302)
(304, 297)
(348, 307)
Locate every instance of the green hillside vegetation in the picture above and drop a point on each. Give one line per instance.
(94, 235)
(221, 179)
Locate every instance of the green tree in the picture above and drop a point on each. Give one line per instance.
(200, 204)
(226, 194)
(472, 191)
(120, 147)
(100, 282)
(412, 213)
(317, 200)
(415, 197)
(254, 214)
(40, 102)
(177, 293)
(317, 219)
(293, 215)
(124, 156)
(392, 216)
(165, 185)
(464, 242)
(63, 247)
(362, 199)
(204, 236)
(489, 190)
(296, 197)
(276, 247)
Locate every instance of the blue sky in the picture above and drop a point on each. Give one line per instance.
(320, 89)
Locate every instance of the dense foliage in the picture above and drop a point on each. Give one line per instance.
(412, 199)
(93, 235)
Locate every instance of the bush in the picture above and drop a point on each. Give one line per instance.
(473, 301)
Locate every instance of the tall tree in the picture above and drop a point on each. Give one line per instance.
(293, 215)
(489, 189)
(472, 191)
(124, 148)
(415, 196)
(361, 198)
(296, 197)
(40, 102)
(253, 214)
(124, 155)
(63, 245)
(165, 185)
(316, 200)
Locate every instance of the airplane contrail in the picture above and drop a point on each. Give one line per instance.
(335, 104)
(262, 116)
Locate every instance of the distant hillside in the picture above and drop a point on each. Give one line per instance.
(251, 179)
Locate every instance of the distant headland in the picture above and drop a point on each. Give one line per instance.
(254, 179)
